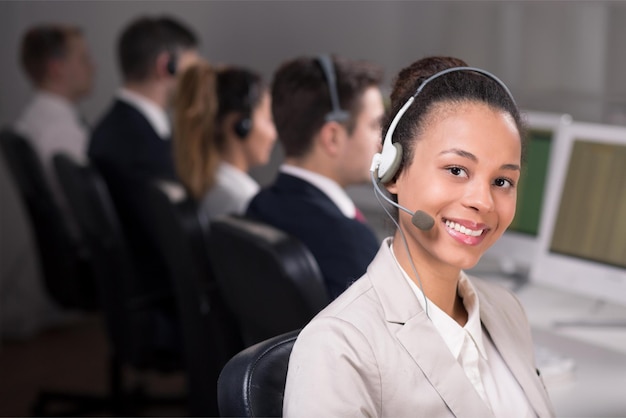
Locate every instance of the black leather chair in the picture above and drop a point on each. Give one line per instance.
(209, 332)
(252, 383)
(127, 317)
(65, 262)
(269, 279)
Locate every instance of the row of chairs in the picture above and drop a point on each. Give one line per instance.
(237, 283)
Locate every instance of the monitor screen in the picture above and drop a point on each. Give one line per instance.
(515, 250)
(582, 239)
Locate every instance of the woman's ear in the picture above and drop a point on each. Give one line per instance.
(392, 186)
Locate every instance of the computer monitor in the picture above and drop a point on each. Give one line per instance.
(582, 238)
(515, 250)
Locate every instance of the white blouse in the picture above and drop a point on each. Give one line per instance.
(231, 193)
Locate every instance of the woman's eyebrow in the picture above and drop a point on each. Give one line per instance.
(460, 153)
(470, 156)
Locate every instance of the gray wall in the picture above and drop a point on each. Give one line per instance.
(556, 56)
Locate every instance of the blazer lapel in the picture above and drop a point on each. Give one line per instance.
(504, 338)
(427, 348)
(421, 339)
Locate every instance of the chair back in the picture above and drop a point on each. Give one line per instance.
(252, 384)
(210, 333)
(65, 263)
(269, 279)
(95, 214)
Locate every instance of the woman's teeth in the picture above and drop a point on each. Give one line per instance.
(463, 230)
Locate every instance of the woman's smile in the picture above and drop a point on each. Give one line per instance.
(466, 232)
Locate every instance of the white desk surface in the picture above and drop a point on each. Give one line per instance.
(587, 331)
(598, 386)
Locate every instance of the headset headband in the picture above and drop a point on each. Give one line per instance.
(396, 119)
(337, 114)
(387, 162)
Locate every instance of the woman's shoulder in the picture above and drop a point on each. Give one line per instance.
(357, 307)
(497, 295)
(491, 287)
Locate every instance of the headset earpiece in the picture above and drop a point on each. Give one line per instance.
(390, 160)
(242, 127)
(172, 63)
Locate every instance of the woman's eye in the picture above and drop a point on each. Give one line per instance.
(504, 183)
(457, 171)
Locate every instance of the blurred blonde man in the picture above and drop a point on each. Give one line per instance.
(57, 61)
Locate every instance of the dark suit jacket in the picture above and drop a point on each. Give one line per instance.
(343, 247)
(129, 154)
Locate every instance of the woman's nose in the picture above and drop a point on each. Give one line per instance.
(479, 196)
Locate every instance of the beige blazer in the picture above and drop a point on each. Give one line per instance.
(374, 352)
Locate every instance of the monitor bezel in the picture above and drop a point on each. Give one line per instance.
(569, 273)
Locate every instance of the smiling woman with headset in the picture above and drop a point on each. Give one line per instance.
(416, 336)
(223, 126)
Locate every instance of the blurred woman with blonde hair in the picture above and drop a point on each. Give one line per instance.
(223, 127)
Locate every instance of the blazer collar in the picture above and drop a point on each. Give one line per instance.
(295, 186)
(156, 116)
(328, 186)
(421, 339)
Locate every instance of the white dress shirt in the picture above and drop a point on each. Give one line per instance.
(231, 193)
(53, 125)
(476, 353)
(328, 186)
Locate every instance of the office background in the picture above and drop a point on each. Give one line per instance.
(557, 56)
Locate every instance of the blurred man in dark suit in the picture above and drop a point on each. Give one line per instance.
(131, 145)
(327, 112)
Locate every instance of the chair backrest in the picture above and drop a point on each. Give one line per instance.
(252, 383)
(269, 279)
(65, 263)
(210, 334)
(132, 319)
(95, 214)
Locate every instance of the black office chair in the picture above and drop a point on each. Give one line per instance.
(127, 317)
(252, 384)
(210, 334)
(269, 279)
(65, 262)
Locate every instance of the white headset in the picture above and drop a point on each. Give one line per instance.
(386, 163)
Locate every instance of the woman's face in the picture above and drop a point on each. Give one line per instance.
(259, 143)
(464, 173)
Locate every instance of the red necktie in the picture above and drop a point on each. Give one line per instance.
(358, 215)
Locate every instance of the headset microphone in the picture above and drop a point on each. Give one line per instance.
(419, 218)
(422, 220)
